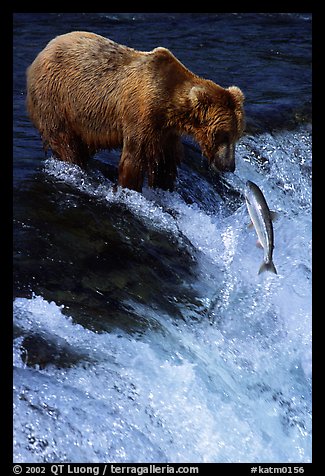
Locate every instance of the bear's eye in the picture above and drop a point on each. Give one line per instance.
(221, 137)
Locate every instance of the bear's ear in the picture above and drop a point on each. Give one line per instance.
(198, 95)
(237, 95)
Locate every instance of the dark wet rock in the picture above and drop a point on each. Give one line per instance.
(38, 351)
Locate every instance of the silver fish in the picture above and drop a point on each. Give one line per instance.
(261, 218)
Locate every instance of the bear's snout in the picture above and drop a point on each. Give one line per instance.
(230, 168)
(224, 159)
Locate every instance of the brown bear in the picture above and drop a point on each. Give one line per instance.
(86, 93)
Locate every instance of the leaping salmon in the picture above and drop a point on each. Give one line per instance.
(261, 218)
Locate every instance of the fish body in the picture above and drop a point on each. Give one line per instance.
(261, 218)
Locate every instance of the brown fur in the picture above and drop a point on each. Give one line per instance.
(86, 93)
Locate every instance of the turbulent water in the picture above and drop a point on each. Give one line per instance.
(142, 330)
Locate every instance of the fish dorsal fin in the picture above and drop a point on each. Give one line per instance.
(259, 244)
(274, 215)
(250, 225)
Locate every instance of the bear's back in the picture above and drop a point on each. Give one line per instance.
(85, 56)
(85, 50)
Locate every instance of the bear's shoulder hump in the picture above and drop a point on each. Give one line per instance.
(162, 54)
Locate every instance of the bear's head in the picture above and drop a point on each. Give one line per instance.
(217, 122)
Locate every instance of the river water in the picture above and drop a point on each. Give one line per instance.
(142, 330)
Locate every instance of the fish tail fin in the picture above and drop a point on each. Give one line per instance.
(267, 267)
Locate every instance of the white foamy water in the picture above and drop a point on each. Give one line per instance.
(233, 386)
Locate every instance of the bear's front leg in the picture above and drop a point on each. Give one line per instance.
(162, 173)
(130, 171)
(162, 169)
